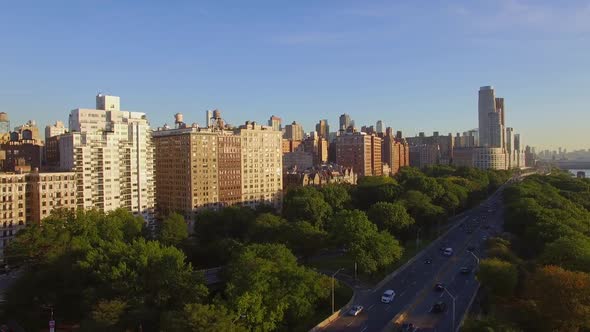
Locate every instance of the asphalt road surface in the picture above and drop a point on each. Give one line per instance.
(414, 285)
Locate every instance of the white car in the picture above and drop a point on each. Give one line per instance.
(448, 252)
(355, 310)
(388, 296)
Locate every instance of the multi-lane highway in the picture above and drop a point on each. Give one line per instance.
(414, 284)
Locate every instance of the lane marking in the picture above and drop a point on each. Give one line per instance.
(350, 322)
(364, 329)
(371, 307)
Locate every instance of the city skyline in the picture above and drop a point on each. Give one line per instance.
(366, 62)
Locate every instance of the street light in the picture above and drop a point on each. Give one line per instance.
(333, 275)
(453, 318)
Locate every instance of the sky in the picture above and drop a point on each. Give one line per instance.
(417, 64)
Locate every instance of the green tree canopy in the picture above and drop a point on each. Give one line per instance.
(500, 276)
(391, 217)
(196, 317)
(306, 204)
(336, 195)
(267, 287)
(174, 230)
(571, 253)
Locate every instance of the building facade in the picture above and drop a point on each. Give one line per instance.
(112, 153)
(275, 123)
(361, 152)
(323, 129)
(294, 132)
(489, 158)
(262, 165)
(29, 198)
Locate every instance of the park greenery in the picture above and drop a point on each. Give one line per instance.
(537, 276)
(108, 271)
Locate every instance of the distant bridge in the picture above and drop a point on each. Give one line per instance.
(569, 164)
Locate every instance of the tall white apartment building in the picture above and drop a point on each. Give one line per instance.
(112, 153)
(262, 165)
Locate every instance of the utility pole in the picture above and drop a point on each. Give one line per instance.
(333, 275)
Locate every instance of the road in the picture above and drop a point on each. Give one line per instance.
(414, 284)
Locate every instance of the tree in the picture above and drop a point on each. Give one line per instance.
(421, 208)
(379, 250)
(571, 252)
(500, 276)
(174, 230)
(306, 203)
(373, 189)
(267, 287)
(336, 195)
(562, 297)
(267, 228)
(107, 314)
(198, 317)
(87, 262)
(304, 239)
(391, 217)
(426, 185)
(371, 249)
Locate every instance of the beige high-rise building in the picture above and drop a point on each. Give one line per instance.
(294, 132)
(112, 153)
(29, 198)
(323, 129)
(209, 168)
(196, 169)
(262, 174)
(49, 191)
(54, 130)
(275, 123)
(12, 206)
(360, 151)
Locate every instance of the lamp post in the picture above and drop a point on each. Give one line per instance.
(333, 275)
(452, 318)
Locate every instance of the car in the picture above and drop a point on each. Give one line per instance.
(438, 307)
(471, 248)
(486, 226)
(439, 287)
(465, 269)
(355, 310)
(428, 261)
(448, 252)
(470, 231)
(388, 296)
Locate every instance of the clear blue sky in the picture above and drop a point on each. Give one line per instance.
(417, 65)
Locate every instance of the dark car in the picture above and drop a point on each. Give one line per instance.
(466, 269)
(428, 261)
(438, 307)
(439, 287)
(471, 248)
(469, 231)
